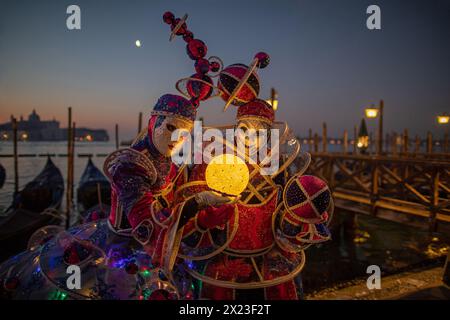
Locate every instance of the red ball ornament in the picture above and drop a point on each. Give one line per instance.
(263, 59)
(215, 66)
(188, 36)
(202, 66)
(196, 49)
(257, 108)
(12, 283)
(182, 30)
(307, 199)
(229, 79)
(168, 17)
(199, 90)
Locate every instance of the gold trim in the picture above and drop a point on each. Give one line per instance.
(219, 249)
(159, 223)
(197, 228)
(236, 253)
(217, 93)
(169, 114)
(253, 117)
(252, 285)
(239, 80)
(241, 83)
(260, 276)
(177, 27)
(189, 184)
(277, 188)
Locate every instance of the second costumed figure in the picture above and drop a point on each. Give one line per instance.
(251, 247)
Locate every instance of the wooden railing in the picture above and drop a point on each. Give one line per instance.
(407, 185)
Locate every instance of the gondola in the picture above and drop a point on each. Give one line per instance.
(94, 192)
(32, 208)
(2, 176)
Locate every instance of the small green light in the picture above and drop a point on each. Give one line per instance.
(58, 295)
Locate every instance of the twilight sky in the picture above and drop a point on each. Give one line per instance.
(325, 64)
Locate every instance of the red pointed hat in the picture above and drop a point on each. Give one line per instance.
(257, 109)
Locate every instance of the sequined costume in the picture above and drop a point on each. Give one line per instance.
(168, 236)
(120, 257)
(258, 253)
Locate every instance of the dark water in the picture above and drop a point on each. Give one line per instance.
(361, 240)
(29, 167)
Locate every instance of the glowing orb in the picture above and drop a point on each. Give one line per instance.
(227, 174)
(138, 43)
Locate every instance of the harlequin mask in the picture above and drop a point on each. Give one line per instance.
(163, 129)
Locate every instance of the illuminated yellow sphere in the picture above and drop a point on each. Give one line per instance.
(227, 174)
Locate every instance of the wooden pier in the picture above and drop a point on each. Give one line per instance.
(407, 189)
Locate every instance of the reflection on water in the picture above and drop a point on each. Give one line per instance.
(29, 167)
(361, 240)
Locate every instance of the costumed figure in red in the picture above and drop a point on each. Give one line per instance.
(129, 254)
(252, 247)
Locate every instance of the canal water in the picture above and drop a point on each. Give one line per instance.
(358, 241)
(29, 167)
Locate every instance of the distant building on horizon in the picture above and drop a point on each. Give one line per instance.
(34, 129)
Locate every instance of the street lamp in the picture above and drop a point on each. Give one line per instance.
(273, 101)
(371, 112)
(374, 112)
(362, 141)
(444, 119)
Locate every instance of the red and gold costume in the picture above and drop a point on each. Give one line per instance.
(257, 250)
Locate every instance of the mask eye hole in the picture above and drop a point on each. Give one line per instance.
(243, 128)
(171, 127)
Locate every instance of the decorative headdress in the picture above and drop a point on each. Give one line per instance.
(238, 84)
(257, 109)
(176, 106)
(199, 86)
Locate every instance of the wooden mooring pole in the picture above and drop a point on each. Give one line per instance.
(345, 142)
(310, 140)
(429, 142)
(355, 139)
(69, 171)
(140, 123)
(417, 145)
(394, 144)
(316, 142)
(324, 138)
(434, 201)
(117, 136)
(380, 129)
(16, 162)
(405, 142)
(72, 161)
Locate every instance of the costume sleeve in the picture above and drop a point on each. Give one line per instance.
(132, 176)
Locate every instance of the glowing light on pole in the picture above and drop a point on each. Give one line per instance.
(443, 119)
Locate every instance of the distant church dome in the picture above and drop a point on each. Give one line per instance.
(34, 117)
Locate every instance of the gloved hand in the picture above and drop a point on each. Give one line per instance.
(214, 216)
(210, 198)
